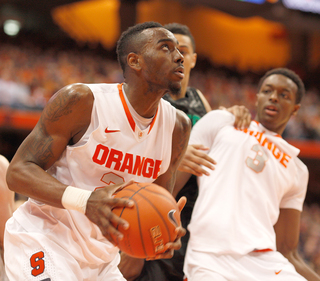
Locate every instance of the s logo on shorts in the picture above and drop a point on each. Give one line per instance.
(37, 263)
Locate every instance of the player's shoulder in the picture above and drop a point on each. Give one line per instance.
(73, 92)
(182, 118)
(302, 168)
(219, 115)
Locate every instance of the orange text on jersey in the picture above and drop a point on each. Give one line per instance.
(282, 157)
(126, 162)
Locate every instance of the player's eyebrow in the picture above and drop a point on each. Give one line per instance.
(283, 89)
(167, 39)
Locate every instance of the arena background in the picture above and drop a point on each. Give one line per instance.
(60, 42)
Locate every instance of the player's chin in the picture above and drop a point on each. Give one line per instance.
(175, 88)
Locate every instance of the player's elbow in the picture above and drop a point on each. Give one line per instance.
(11, 177)
(288, 250)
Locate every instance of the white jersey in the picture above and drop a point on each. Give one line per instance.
(257, 173)
(113, 150)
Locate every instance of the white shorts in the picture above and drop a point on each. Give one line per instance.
(265, 266)
(34, 257)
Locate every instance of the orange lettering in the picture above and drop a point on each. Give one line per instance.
(127, 163)
(258, 136)
(148, 168)
(156, 170)
(284, 160)
(116, 157)
(275, 153)
(100, 155)
(138, 165)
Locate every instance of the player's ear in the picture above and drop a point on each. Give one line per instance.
(194, 60)
(296, 108)
(133, 61)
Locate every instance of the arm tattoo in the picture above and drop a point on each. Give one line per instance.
(40, 150)
(60, 106)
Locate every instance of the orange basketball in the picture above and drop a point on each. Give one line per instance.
(153, 219)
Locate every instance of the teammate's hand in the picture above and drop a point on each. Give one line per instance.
(194, 159)
(242, 115)
(180, 231)
(99, 211)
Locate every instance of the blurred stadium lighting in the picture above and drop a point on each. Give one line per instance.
(11, 27)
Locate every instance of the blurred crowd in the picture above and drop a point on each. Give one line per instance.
(310, 236)
(30, 75)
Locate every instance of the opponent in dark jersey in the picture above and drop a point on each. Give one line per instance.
(172, 269)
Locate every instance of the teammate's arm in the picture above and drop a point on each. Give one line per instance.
(65, 119)
(287, 231)
(242, 115)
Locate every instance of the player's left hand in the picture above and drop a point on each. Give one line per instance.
(180, 231)
(242, 115)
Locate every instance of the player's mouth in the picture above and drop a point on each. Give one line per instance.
(271, 110)
(179, 71)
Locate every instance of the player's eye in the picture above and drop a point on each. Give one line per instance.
(165, 47)
(266, 91)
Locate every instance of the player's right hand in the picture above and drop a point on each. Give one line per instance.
(194, 159)
(170, 247)
(99, 211)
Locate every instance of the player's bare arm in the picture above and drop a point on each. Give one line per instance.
(287, 231)
(204, 101)
(65, 119)
(180, 140)
(59, 123)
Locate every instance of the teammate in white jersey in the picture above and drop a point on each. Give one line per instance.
(90, 140)
(246, 221)
(6, 208)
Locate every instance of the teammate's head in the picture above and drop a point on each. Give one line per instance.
(279, 92)
(130, 41)
(291, 75)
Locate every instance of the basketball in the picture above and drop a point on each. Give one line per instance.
(153, 219)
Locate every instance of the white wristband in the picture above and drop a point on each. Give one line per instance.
(75, 198)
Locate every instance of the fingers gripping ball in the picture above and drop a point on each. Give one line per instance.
(153, 219)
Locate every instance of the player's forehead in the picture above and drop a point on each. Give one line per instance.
(279, 80)
(184, 40)
(158, 34)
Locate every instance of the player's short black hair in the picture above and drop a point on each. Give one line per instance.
(128, 38)
(291, 75)
(177, 28)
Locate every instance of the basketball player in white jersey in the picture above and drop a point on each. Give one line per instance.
(6, 208)
(246, 221)
(91, 139)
